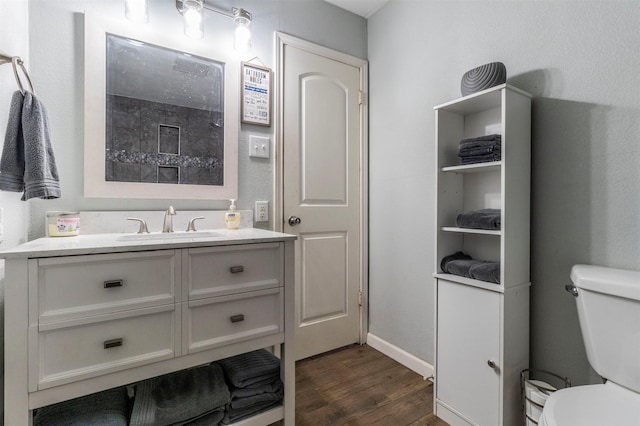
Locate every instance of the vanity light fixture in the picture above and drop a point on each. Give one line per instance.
(137, 11)
(192, 11)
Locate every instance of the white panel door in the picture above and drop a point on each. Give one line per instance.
(321, 143)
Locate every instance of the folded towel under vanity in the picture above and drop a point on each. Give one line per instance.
(480, 219)
(245, 397)
(28, 163)
(107, 408)
(181, 398)
(254, 381)
(232, 416)
(251, 369)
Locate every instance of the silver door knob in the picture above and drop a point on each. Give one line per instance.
(294, 220)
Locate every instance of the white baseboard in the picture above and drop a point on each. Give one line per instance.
(410, 361)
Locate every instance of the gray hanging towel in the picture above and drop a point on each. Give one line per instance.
(40, 171)
(12, 161)
(27, 160)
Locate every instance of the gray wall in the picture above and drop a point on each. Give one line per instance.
(580, 61)
(56, 64)
(15, 41)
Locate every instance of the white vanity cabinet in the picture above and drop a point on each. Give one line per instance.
(89, 316)
(482, 328)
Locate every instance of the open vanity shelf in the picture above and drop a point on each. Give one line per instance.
(170, 305)
(482, 340)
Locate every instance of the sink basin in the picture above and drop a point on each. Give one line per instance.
(169, 236)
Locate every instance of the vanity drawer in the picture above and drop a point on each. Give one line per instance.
(78, 286)
(217, 271)
(90, 347)
(218, 321)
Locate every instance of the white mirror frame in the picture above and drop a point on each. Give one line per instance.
(95, 183)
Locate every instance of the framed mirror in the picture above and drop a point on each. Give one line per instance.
(161, 115)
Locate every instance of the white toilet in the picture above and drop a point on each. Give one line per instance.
(609, 312)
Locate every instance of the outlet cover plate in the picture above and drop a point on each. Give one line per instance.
(261, 212)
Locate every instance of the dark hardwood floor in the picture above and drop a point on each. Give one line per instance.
(358, 385)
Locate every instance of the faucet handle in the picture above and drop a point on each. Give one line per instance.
(171, 211)
(192, 223)
(143, 225)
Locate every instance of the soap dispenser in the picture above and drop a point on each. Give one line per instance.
(232, 216)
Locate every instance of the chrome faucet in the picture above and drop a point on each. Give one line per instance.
(168, 219)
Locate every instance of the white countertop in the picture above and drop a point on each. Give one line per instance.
(113, 243)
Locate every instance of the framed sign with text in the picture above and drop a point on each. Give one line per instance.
(256, 94)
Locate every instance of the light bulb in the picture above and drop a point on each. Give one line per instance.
(193, 20)
(137, 11)
(242, 36)
(242, 41)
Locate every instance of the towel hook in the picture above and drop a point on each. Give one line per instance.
(17, 61)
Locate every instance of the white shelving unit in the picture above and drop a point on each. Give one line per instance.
(482, 328)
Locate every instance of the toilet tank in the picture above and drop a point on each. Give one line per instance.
(608, 302)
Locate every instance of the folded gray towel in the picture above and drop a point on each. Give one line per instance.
(487, 158)
(27, 160)
(480, 219)
(461, 267)
(244, 399)
(180, 397)
(455, 256)
(231, 415)
(108, 408)
(210, 419)
(483, 150)
(255, 368)
(486, 271)
(273, 387)
(481, 140)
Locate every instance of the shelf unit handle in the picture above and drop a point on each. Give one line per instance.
(492, 364)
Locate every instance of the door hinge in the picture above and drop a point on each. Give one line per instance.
(361, 97)
(359, 297)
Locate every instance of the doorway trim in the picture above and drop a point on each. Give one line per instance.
(282, 40)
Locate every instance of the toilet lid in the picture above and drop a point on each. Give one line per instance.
(593, 405)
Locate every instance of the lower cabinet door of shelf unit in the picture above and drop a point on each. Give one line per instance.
(81, 351)
(468, 342)
(219, 321)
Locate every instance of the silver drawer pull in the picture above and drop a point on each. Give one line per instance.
(113, 343)
(236, 269)
(113, 283)
(237, 318)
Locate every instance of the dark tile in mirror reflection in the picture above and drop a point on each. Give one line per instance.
(168, 174)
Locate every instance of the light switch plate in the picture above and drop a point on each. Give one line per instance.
(261, 212)
(259, 146)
